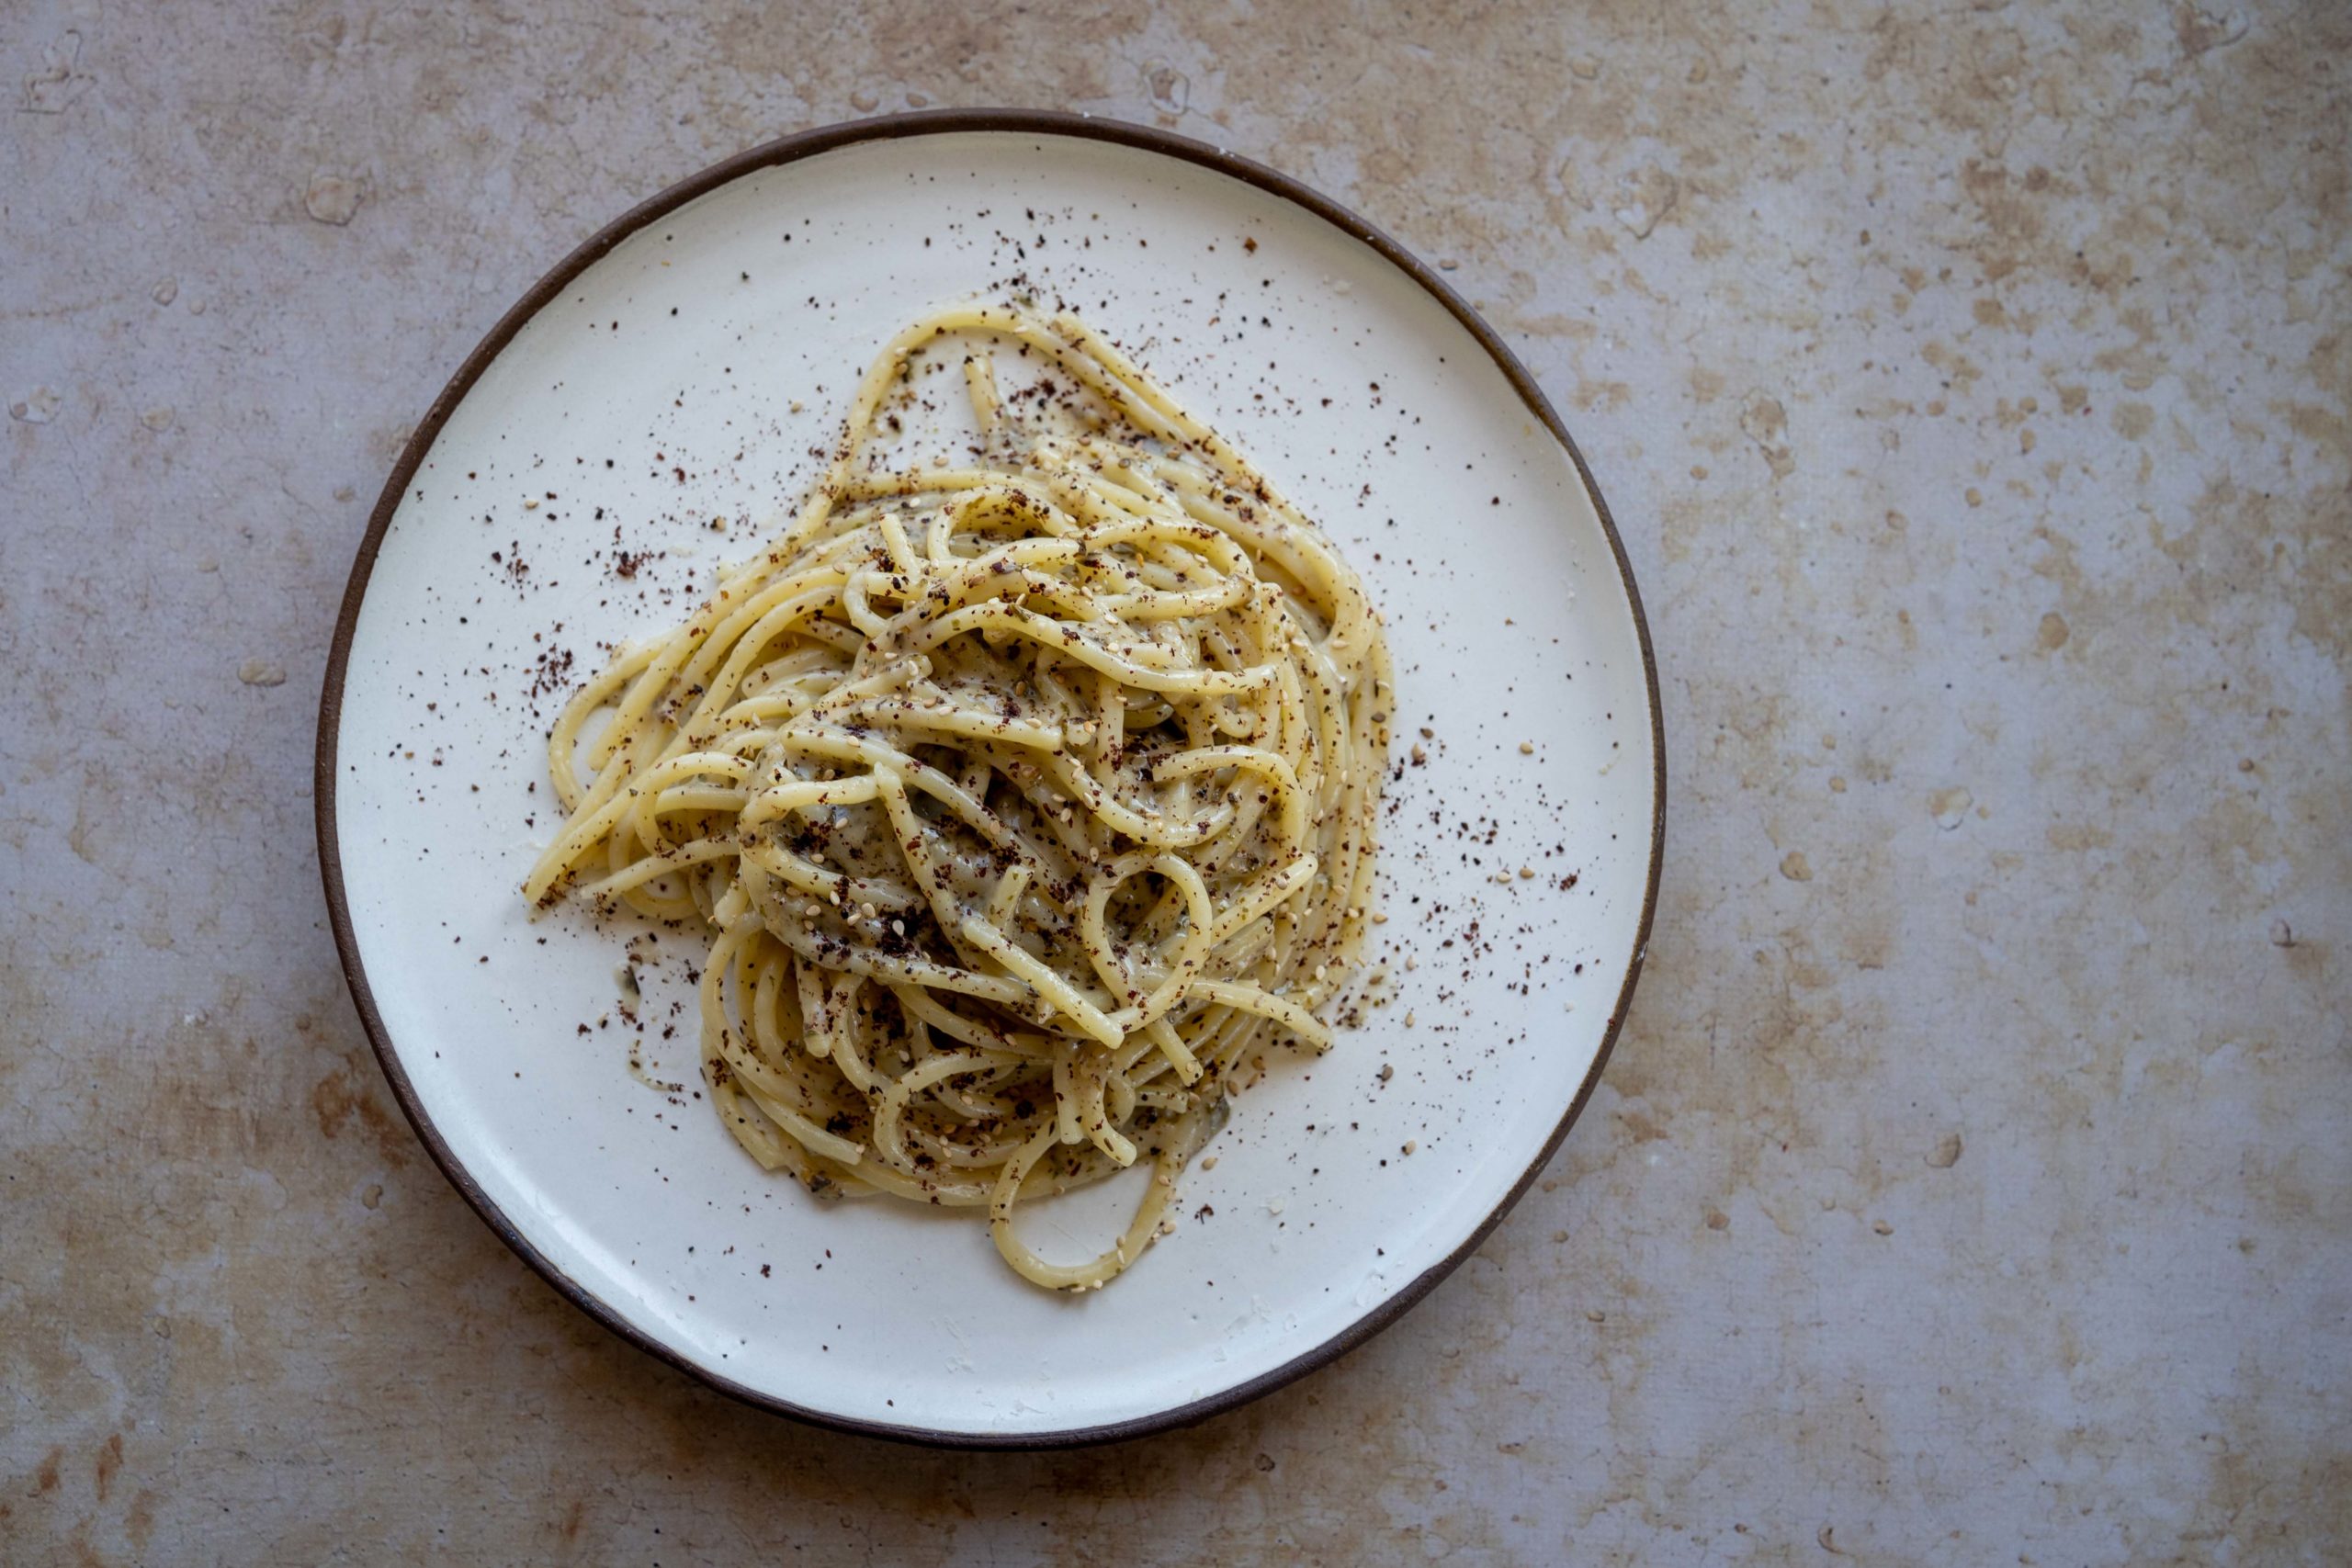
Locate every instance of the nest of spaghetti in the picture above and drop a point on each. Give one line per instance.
(1027, 796)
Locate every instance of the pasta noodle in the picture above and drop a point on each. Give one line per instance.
(1026, 799)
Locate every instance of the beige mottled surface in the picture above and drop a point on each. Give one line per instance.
(1974, 1182)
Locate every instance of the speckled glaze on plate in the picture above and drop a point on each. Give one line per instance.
(682, 365)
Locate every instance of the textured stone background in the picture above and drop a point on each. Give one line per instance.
(1974, 1182)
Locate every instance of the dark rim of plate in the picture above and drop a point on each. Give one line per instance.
(791, 148)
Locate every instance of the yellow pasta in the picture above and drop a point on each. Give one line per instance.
(1024, 799)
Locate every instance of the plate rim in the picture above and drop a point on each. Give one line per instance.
(792, 148)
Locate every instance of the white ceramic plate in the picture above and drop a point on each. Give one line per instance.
(682, 365)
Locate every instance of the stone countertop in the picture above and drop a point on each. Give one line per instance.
(1971, 1183)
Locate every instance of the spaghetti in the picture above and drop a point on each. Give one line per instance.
(1028, 798)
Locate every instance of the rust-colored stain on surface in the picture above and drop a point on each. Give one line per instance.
(1973, 386)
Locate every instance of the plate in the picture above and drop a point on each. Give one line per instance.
(622, 430)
